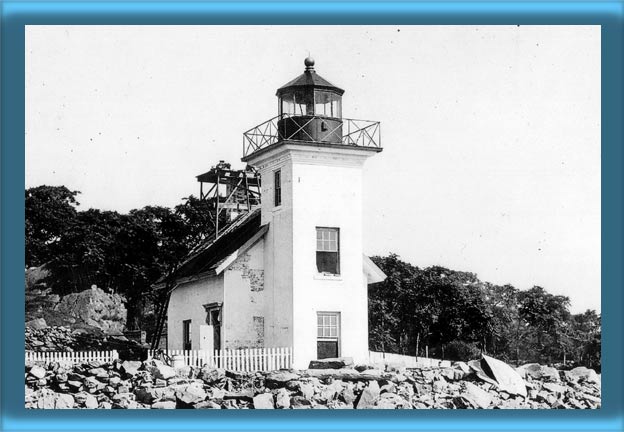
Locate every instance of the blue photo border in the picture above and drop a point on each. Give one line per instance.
(15, 15)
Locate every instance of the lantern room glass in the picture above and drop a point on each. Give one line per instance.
(308, 103)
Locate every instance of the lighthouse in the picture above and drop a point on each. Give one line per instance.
(310, 160)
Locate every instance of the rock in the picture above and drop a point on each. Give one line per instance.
(547, 397)
(183, 371)
(476, 395)
(331, 363)
(463, 366)
(307, 390)
(151, 394)
(64, 401)
(237, 375)
(74, 386)
(478, 367)
(398, 378)
(131, 367)
(46, 399)
(37, 372)
(299, 402)
(61, 377)
(368, 397)
(282, 399)
(405, 390)
(554, 388)
(86, 400)
(37, 324)
(439, 385)
(164, 405)
(505, 376)
(582, 374)
(391, 401)
(533, 370)
(246, 394)
(550, 374)
(263, 401)
(207, 405)
(191, 394)
(95, 308)
(387, 388)
(331, 391)
(160, 370)
(218, 393)
(448, 373)
(229, 404)
(279, 378)
(348, 395)
(347, 374)
(211, 375)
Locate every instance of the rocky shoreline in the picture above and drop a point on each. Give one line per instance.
(154, 385)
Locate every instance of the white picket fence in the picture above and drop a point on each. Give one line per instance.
(405, 360)
(71, 357)
(243, 360)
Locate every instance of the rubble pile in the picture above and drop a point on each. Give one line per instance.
(153, 384)
(64, 339)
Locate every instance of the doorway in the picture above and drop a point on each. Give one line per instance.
(214, 319)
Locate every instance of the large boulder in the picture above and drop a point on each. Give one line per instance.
(507, 378)
(95, 308)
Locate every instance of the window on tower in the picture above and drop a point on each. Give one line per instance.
(278, 187)
(328, 250)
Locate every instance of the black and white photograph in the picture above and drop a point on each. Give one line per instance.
(313, 217)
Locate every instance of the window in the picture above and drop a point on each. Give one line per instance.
(328, 334)
(327, 250)
(186, 334)
(277, 177)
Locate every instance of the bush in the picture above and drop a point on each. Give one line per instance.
(461, 351)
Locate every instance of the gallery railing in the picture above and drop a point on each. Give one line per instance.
(351, 132)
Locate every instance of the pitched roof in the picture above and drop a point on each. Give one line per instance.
(309, 79)
(212, 253)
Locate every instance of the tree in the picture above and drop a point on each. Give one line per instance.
(387, 303)
(127, 253)
(585, 334)
(546, 315)
(502, 302)
(49, 212)
(413, 308)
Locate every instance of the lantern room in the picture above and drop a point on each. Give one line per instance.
(310, 112)
(309, 94)
(310, 108)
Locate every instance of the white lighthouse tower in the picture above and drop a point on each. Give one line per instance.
(310, 160)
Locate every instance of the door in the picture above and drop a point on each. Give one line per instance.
(328, 335)
(215, 321)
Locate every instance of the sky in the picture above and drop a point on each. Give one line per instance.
(491, 135)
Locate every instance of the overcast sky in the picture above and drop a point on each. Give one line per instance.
(491, 135)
